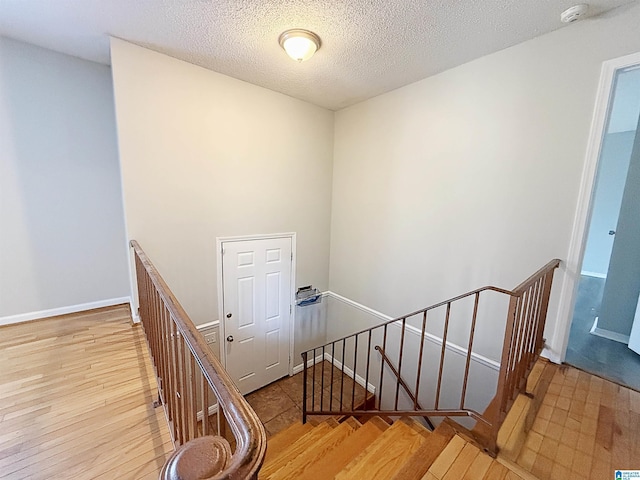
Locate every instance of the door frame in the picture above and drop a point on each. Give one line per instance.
(573, 265)
(219, 278)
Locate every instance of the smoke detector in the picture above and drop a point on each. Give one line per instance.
(574, 13)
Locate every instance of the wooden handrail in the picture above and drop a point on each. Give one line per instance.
(245, 425)
(549, 267)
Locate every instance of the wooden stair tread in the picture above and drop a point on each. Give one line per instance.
(334, 461)
(463, 460)
(443, 462)
(282, 440)
(384, 456)
(303, 462)
(416, 426)
(418, 464)
(296, 448)
(496, 471)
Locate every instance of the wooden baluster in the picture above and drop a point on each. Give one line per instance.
(400, 352)
(333, 359)
(205, 405)
(322, 382)
(344, 347)
(222, 422)
(381, 378)
(420, 354)
(355, 367)
(366, 378)
(313, 383)
(304, 387)
(442, 353)
(194, 395)
(469, 350)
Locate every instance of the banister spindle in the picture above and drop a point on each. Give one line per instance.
(420, 354)
(442, 354)
(400, 352)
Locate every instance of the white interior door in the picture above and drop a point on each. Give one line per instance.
(257, 310)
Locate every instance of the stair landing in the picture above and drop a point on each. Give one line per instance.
(586, 428)
(76, 395)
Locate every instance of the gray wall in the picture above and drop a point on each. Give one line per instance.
(612, 173)
(62, 240)
(622, 287)
(470, 177)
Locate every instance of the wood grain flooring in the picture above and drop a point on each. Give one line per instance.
(76, 395)
(586, 428)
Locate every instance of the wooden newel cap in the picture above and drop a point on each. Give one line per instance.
(198, 459)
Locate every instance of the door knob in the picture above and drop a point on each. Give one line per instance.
(230, 338)
(612, 232)
(229, 315)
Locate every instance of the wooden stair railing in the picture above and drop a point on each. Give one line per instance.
(188, 374)
(522, 345)
(404, 385)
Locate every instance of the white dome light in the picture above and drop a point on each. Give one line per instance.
(299, 44)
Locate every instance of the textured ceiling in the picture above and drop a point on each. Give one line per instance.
(369, 46)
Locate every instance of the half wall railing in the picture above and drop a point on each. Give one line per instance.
(404, 375)
(192, 384)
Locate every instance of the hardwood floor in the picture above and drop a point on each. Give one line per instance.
(587, 428)
(76, 395)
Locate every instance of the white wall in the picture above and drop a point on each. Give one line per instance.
(62, 240)
(203, 156)
(471, 176)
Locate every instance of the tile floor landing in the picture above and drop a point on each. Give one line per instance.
(279, 404)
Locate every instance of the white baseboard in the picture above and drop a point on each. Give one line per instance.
(135, 314)
(213, 409)
(452, 347)
(594, 274)
(608, 334)
(54, 312)
(300, 367)
(359, 380)
(348, 372)
(207, 326)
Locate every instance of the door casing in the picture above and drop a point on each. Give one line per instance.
(573, 265)
(219, 244)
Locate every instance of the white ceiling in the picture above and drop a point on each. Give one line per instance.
(369, 46)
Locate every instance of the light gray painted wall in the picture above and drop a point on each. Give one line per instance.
(311, 328)
(471, 176)
(204, 155)
(62, 240)
(344, 318)
(612, 173)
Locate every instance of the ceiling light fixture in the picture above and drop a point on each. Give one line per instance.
(299, 44)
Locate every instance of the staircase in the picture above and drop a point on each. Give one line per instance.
(366, 443)
(405, 449)
(402, 450)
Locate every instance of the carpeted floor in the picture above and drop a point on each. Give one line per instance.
(600, 356)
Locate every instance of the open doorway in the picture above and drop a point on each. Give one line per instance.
(609, 282)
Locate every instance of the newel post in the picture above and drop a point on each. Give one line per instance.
(503, 392)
